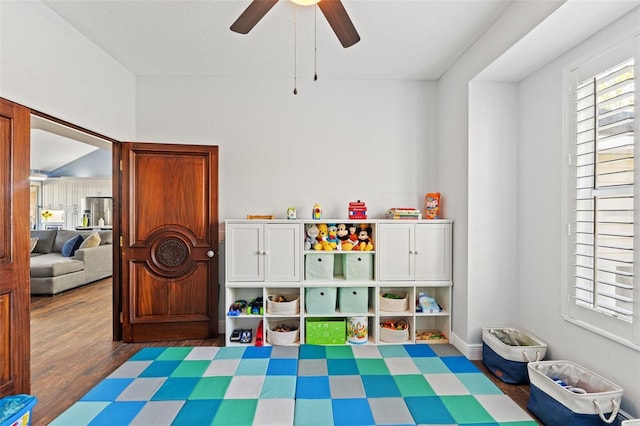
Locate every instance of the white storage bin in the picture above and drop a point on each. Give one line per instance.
(283, 304)
(357, 266)
(507, 350)
(394, 335)
(320, 300)
(565, 394)
(276, 336)
(399, 303)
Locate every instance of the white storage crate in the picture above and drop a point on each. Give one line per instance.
(565, 394)
(507, 350)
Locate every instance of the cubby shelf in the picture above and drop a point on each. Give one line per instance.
(268, 257)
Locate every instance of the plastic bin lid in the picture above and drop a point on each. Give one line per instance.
(13, 404)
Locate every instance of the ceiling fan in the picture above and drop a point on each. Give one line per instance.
(333, 10)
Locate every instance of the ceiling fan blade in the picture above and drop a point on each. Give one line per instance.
(339, 20)
(252, 15)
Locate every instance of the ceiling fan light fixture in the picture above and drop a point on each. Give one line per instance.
(305, 2)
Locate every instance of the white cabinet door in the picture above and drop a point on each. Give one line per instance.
(263, 252)
(432, 251)
(244, 245)
(395, 251)
(282, 247)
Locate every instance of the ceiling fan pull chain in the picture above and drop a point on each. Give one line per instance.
(315, 43)
(295, 49)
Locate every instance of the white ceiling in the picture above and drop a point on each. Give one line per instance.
(400, 39)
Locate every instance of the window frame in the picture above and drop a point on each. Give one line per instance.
(596, 321)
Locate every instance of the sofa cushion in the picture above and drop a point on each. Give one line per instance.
(33, 241)
(45, 237)
(62, 236)
(53, 265)
(69, 248)
(93, 240)
(106, 237)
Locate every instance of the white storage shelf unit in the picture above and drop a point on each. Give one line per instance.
(410, 256)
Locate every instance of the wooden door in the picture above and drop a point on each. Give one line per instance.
(14, 249)
(169, 238)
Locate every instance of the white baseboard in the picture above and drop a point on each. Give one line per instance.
(471, 351)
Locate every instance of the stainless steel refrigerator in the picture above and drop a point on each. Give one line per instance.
(99, 212)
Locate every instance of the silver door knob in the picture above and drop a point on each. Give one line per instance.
(210, 253)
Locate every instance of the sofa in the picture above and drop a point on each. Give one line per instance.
(56, 267)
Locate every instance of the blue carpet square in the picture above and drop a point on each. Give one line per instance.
(282, 367)
(199, 412)
(257, 352)
(312, 352)
(117, 413)
(341, 367)
(352, 412)
(459, 364)
(176, 388)
(313, 387)
(160, 369)
(419, 351)
(380, 386)
(107, 390)
(147, 354)
(428, 410)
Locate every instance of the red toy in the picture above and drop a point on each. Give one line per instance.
(357, 210)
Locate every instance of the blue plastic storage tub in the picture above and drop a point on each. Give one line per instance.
(15, 410)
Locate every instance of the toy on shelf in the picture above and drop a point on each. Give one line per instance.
(256, 306)
(427, 304)
(291, 213)
(316, 213)
(260, 217)
(364, 242)
(236, 308)
(311, 230)
(404, 213)
(332, 237)
(357, 210)
(432, 205)
(322, 242)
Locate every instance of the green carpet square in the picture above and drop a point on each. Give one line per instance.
(240, 412)
(413, 385)
(478, 383)
(372, 366)
(174, 354)
(313, 412)
(343, 351)
(393, 351)
(230, 352)
(466, 409)
(191, 369)
(211, 388)
(431, 365)
(253, 367)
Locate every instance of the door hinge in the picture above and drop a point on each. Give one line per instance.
(120, 165)
(121, 318)
(121, 241)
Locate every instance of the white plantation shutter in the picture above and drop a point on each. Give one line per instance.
(602, 274)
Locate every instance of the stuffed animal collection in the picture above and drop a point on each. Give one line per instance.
(341, 236)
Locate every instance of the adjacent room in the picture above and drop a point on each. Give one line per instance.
(518, 114)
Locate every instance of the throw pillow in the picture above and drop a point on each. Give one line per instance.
(33, 241)
(69, 248)
(93, 240)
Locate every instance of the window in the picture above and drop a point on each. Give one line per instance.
(602, 239)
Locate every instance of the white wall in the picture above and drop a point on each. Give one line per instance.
(540, 256)
(335, 142)
(48, 66)
(454, 140)
(493, 205)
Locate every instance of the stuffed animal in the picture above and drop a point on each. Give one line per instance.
(311, 230)
(322, 242)
(332, 237)
(364, 238)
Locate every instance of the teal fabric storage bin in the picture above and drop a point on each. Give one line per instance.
(318, 266)
(353, 300)
(357, 266)
(320, 300)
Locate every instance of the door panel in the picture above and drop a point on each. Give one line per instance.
(14, 249)
(169, 230)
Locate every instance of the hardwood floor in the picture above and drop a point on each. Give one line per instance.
(72, 349)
